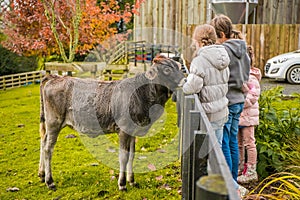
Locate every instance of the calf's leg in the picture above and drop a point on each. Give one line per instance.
(51, 138)
(124, 156)
(130, 174)
(41, 172)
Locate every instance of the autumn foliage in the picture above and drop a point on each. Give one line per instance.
(46, 27)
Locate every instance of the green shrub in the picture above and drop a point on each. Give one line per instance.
(278, 131)
(11, 63)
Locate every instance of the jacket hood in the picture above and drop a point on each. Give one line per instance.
(236, 46)
(216, 55)
(255, 72)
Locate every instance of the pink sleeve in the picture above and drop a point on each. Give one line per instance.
(253, 92)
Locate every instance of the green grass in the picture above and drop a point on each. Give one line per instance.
(82, 168)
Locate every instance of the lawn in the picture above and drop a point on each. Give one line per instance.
(83, 168)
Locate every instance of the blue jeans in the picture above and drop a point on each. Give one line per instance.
(218, 127)
(230, 142)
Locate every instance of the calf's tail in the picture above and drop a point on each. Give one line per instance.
(42, 107)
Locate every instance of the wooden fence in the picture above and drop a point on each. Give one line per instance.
(178, 14)
(163, 21)
(22, 79)
(267, 40)
(198, 147)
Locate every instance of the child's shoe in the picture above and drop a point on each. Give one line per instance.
(248, 175)
(242, 191)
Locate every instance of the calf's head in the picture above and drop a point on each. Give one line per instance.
(166, 72)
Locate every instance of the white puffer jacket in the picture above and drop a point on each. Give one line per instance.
(209, 74)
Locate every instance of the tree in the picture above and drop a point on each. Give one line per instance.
(64, 27)
(10, 63)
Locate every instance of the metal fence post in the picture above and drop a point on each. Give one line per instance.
(186, 142)
(200, 164)
(194, 125)
(211, 187)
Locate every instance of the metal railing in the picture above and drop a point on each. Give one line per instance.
(204, 171)
(143, 52)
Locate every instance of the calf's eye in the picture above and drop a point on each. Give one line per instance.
(167, 70)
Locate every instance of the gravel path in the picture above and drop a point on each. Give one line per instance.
(267, 83)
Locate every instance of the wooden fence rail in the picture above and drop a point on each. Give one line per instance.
(21, 79)
(204, 171)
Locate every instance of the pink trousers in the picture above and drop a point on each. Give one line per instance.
(246, 141)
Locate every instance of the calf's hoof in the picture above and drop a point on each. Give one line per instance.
(122, 188)
(52, 186)
(133, 184)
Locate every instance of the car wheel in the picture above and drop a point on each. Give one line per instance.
(293, 74)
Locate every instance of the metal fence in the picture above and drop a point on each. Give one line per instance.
(204, 171)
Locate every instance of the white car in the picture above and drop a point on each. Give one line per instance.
(284, 66)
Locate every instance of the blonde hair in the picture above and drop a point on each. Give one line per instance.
(205, 34)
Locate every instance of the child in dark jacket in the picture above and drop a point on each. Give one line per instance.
(239, 74)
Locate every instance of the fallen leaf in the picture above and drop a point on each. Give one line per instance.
(161, 150)
(151, 167)
(166, 186)
(159, 178)
(179, 191)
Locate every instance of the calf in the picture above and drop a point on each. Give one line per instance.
(128, 106)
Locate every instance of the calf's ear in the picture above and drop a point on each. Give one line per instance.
(151, 73)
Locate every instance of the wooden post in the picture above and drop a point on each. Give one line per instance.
(69, 73)
(211, 187)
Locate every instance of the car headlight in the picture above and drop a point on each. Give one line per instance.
(274, 71)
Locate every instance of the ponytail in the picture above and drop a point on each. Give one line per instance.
(237, 35)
